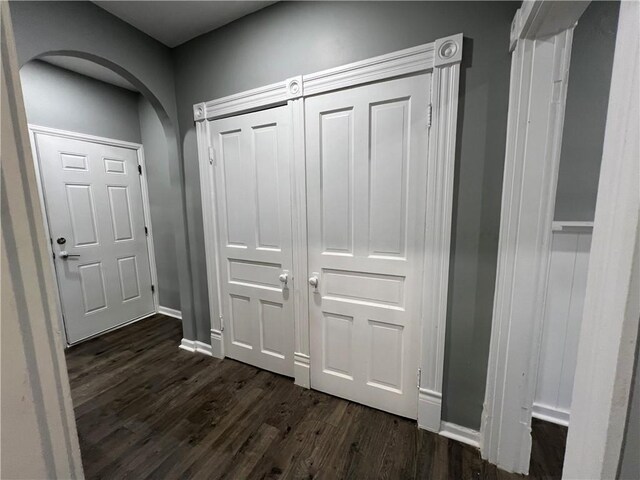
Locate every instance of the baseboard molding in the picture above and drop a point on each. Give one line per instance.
(460, 433)
(429, 410)
(550, 414)
(301, 370)
(195, 346)
(170, 312)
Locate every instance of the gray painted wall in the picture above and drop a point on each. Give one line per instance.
(57, 98)
(157, 166)
(586, 112)
(83, 29)
(292, 38)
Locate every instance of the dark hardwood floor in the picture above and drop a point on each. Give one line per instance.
(146, 409)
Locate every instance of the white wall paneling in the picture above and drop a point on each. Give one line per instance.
(565, 291)
(442, 60)
(539, 78)
(125, 206)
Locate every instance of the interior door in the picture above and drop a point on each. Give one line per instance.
(95, 212)
(254, 224)
(366, 194)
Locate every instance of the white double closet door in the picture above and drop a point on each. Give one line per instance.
(366, 160)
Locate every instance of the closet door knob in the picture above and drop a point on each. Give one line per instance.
(284, 278)
(313, 281)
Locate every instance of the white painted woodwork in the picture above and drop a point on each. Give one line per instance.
(39, 437)
(254, 220)
(539, 78)
(366, 198)
(94, 199)
(566, 286)
(609, 333)
(441, 61)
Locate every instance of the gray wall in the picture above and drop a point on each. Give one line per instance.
(84, 30)
(292, 38)
(57, 98)
(157, 166)
(586, 112)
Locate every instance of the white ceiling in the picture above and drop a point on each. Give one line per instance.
(89, 69)
(175, 22)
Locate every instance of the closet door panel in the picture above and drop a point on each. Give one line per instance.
(366, 151)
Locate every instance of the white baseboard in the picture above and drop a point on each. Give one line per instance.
(194, 346)
(460, 433)
(429, 410)
(301, 370)
(170, 312)
(550, 414)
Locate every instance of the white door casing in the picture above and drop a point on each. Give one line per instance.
(441, 60)
(366, 176)
(254, 223)
(94, 200)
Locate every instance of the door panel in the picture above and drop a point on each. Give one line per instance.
(254, 218)
(366, 177)
(93, 200)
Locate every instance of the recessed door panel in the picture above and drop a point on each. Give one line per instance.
(93, 200)
(253, 204)
(82, 214)
(120, 212)
(366, 152)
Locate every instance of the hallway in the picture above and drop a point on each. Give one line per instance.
(146, 409)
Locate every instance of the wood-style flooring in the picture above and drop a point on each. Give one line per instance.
(146, 409)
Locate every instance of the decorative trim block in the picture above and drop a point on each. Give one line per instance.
(170, 312)
(301, 370)
(199, 110)
(448, 50)
(217, 347)
(294, 87)
(460, 433)
(429, 410)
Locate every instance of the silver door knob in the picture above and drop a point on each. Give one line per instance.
(284, 278)
(313, 281)
(64, 255)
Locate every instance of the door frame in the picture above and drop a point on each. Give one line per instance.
(541, 36)
(34, 130)
(442, 58)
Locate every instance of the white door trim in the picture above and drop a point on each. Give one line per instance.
(33, 131)
(443, 58)
(608, 337)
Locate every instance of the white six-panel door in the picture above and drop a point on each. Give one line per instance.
(254, 223)
(95, 213)
(366, 154)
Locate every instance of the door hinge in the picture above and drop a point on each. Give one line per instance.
(212, 156)
(419, 377)
(221, 323)
(429, 114)
(140, 169)
(153, 288)
(146, 231)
